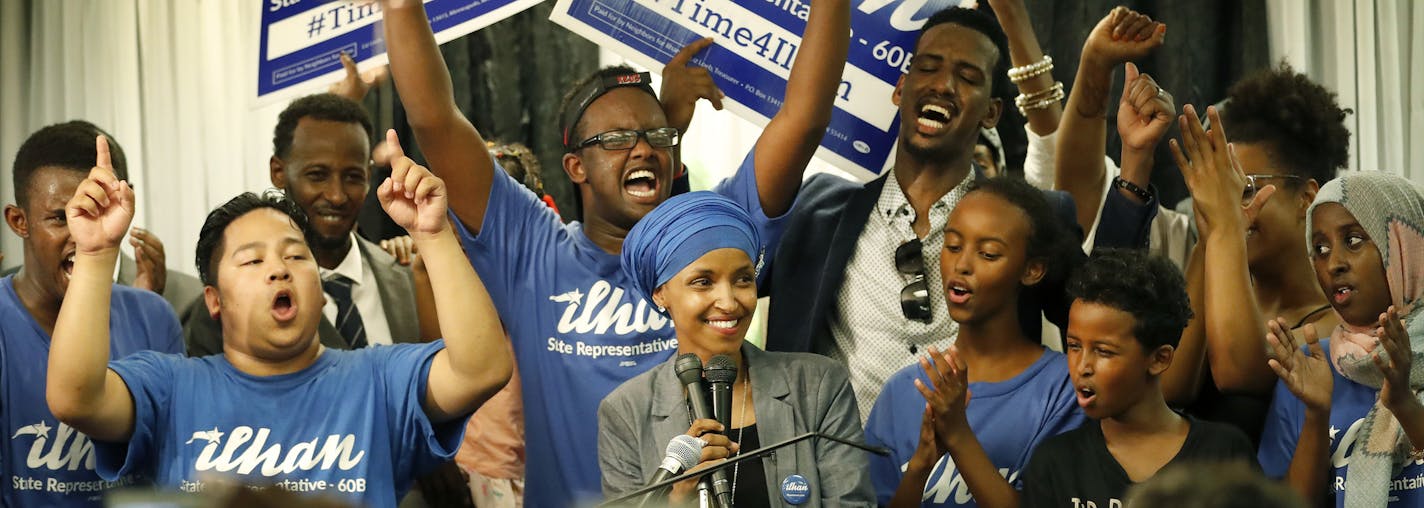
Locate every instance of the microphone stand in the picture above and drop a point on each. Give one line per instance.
(757, 453)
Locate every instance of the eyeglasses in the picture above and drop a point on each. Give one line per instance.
(626, 139)
(1252, 187)
(915, 297)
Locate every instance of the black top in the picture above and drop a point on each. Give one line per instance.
(751, 487)
(1075, 468)
(1244, 411)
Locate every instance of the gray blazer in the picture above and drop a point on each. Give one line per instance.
(203, 335)
(793, 393)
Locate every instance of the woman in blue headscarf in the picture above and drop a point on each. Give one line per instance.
(696, 257)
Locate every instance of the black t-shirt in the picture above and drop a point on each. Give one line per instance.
(1075, 469)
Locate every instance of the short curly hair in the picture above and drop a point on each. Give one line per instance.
(322, 106)
(68, 145)
(1148, 287)
(1299, 121)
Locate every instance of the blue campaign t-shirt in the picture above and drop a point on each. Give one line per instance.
(577, 328)
(1010, 418)
(45, 462)
(350, 425)
(1349, 403)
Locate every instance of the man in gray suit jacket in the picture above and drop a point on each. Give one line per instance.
(321, 159)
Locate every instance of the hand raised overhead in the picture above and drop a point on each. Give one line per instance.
(102, 207)
(356, 83)
(1213, 173)
(413, 197)
(1145, 111)
(1123, 35)
(684, 84)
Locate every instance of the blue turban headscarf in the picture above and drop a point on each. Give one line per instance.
(681, 230)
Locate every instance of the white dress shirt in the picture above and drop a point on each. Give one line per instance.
(364, 291)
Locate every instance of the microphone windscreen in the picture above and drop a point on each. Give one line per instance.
(687, 450)
(721, 369)
(689, 368)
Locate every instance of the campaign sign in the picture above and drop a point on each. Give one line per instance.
(756, 43)
(302, 40)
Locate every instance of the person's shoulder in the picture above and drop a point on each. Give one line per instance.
(378, 257)
(154, 362)
(1218, 436)
(1068, 443)
(826, 187)
(638, 388)
(385, 353)
(126, 294)
(809, 364)
(905, 376)
(135, 302)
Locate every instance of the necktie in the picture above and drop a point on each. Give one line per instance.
(348, 319)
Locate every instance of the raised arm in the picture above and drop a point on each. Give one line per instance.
(452, 146)
(1182, 381)
(475, 362)
(1122, 36)
(791, 137)
(80, 389)
(1232, 318)
(1024, 50)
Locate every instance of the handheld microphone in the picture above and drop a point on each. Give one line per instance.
(721, 372)
(683, 453)
(689, 372)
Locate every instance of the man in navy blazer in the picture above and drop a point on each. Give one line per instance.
(849, 281)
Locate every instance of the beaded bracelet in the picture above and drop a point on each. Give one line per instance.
(1020, 74)
(1039, 95)
(1039, 100)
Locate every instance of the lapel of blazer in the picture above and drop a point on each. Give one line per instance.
(848, 228)
(775, 415)
(669, 408)
(397, 288)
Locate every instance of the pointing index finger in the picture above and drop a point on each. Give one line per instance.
(101, 147)
(684, 55)
(393, 144)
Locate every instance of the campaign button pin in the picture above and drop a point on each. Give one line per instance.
(795, 489)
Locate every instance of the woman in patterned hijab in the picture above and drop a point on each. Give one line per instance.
(1366, 239)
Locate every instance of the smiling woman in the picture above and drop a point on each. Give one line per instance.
(696, 257)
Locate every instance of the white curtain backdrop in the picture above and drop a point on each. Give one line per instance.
(170, 79)
(1371, 52)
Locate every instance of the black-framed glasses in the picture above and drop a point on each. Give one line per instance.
(915, 296)
(626, 139)
(1252, 187)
